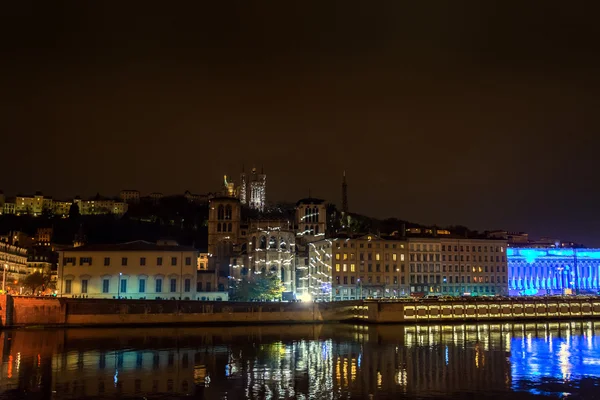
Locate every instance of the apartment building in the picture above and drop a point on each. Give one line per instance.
(13, 263)
(367, 266)
(456, 266)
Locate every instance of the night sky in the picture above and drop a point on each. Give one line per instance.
(483, 113)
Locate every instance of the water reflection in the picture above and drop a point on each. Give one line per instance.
(303, 361)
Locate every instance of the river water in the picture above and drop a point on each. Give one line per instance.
(305, 362)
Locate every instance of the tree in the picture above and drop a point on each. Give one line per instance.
(38, 281)
(268, 287)
(262, 288)
(34, 281)
(74, 211)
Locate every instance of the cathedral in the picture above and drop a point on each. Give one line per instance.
(240, 247)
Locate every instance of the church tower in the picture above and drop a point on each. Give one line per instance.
(224, 217)
(243, 187)
(256, 194)
(344, 194)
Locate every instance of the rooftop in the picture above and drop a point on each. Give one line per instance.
(310, 200)
(138, 245)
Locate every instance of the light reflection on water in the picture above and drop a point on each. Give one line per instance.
(304, 362)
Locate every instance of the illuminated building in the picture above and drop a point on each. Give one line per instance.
(360, 267)
(553, 270)
(134, 270)
(99, 205)
(61, 208)
(9, 207)
(130, 196)
(458, 266)
(311, 218)
(240, 247)
(269, 249)
(253, 189)
(13, 262)
(32, 205)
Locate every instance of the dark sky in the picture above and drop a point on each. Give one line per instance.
(482, 113)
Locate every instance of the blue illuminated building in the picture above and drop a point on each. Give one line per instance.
(553, 271)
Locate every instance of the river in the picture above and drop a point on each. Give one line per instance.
(342, 361)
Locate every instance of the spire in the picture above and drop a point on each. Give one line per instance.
(344, 194)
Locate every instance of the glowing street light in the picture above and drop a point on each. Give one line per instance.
(119, 285)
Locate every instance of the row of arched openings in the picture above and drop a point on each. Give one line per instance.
(311, 214)
(273, 270)
(311, 230)
(272, 244)
(224, 227)
(224, 212)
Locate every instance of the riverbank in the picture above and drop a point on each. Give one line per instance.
(68, 312)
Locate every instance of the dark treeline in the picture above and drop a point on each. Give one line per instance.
(186, 222)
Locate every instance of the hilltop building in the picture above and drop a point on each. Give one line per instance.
(253, 189)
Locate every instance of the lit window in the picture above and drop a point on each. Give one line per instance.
(352, 268)
(394, 257)
(345, 268)
(337, 256)
(337, 267)
(401, 257)
(377, 256)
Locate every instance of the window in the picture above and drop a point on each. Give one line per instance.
(377, 257)
(208, 286)
(173, 285)
(106, 261)
(187, 285)
(159, 261)
(69, 260)
(85, 260)
(159, 285)
(123, 285)
(142, 288)
(142, 260)
(337, 267)
(84, 286)
(173, 260)
(124, 261)
(188, 261)
(337, 256)
(394, 257)
(68, 286)
(199, 286)
(352, 268)
(345, 280)
(105, 285)
(345, 267)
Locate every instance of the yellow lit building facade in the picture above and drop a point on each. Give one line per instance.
(456, 267)
(133, 270)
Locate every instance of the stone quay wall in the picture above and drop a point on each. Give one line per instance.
(29, 311)
(490, 309)
(21, 311)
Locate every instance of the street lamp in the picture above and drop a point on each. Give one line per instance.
(4, 279)
(119, 285)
